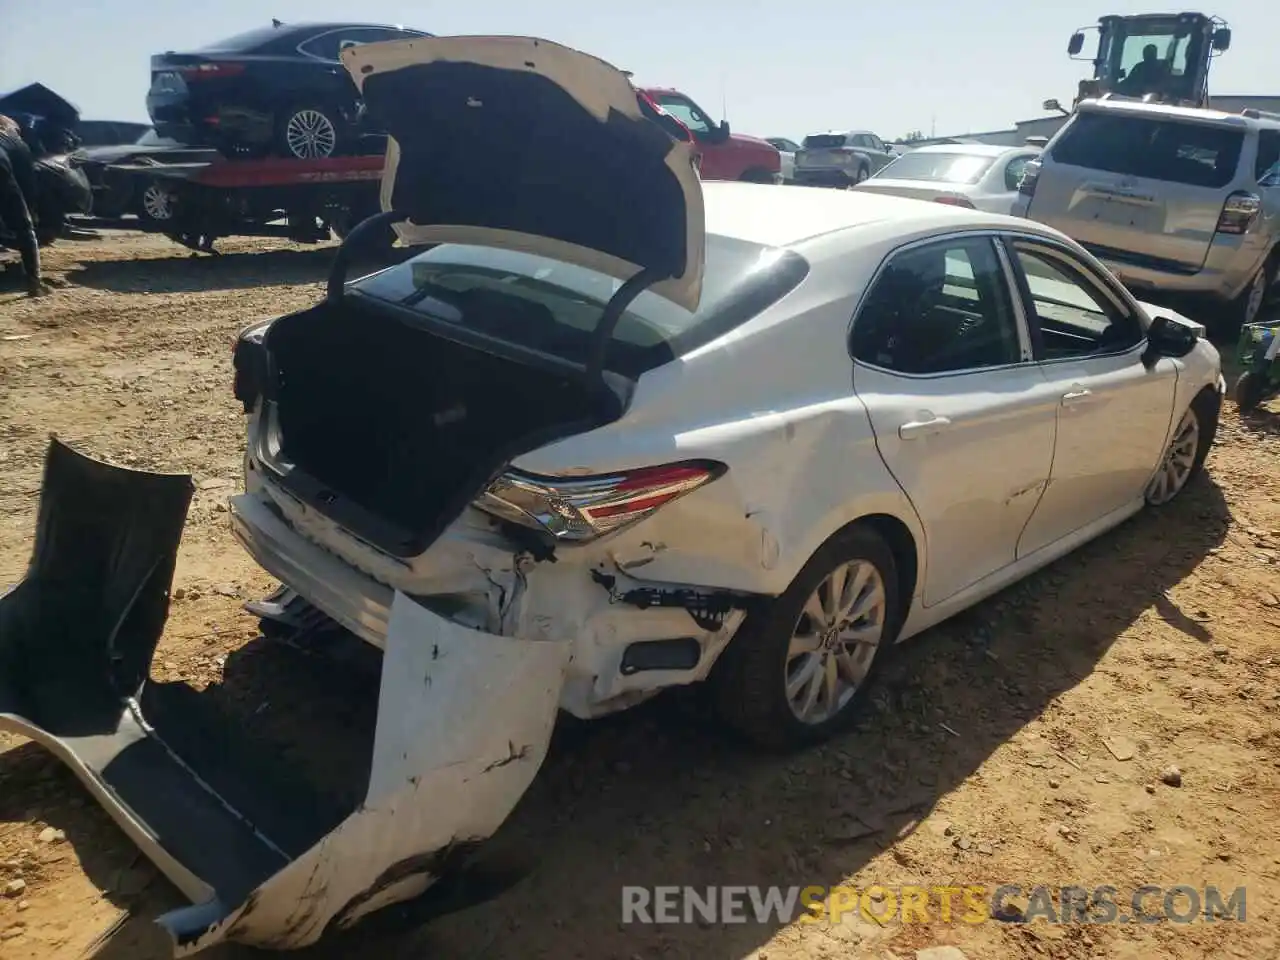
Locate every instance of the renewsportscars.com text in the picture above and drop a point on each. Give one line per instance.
(977, 903)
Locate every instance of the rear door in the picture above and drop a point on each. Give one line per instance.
(1146, 184)
(963, 417)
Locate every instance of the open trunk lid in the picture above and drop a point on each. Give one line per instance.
(523, 144)
(1146, 187)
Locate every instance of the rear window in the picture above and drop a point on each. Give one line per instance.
(1157, 148)
(553, 307)
(825, 141)
(939, 167)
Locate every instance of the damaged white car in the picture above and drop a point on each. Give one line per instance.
(617, 431)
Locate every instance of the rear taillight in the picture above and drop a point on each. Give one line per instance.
(954, 202)
(1027, 182)
(249, 365)
(211, 71)
(581, 509)
(1239, 212)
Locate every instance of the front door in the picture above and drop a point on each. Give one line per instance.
(1113, 412)
(964, 418)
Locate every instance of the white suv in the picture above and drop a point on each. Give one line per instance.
(1183, 204)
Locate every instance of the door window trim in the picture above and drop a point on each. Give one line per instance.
(1016, 304)
(1074, 264)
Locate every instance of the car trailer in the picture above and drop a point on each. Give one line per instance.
(198, 203)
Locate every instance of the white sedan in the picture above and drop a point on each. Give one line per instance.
(755, 439)
(977, 175)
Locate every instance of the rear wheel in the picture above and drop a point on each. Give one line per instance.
(756, 175)
(862, 173)
(798, 668)
(309, 132)
(1246, 307)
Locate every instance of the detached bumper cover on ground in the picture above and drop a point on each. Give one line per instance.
(464, 719)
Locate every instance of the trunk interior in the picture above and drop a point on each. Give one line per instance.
(394, 429)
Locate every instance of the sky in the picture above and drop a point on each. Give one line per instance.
(774, 69)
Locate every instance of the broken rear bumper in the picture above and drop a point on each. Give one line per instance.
(463, 723)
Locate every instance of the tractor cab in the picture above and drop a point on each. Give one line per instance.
(1159, 57)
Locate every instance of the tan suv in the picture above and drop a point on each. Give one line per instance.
(1182, 204)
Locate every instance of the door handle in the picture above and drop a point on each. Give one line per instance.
(923, 428)
(1078, 395)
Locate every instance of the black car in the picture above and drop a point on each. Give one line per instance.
(116, 194)
(278, 90)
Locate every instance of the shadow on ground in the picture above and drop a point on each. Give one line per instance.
(659, 796)
(192, 273)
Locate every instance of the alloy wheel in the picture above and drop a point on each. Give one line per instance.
(310, 135)
(1179, 460)
(157, 202)
(834, 641)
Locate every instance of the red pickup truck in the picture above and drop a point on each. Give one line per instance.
(724, 155)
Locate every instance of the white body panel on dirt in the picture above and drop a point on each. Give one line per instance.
(435, 784)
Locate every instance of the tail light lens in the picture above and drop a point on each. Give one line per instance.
(1239, 212)
(954, 202)
(581, 509)
(211, 71)
(1027, 182)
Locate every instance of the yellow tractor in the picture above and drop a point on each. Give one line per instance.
(1155, 57)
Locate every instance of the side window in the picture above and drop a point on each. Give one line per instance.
(862, 140)
(877, 144)
(324, 46)
(1013, 172)
(940, 308)
(329, 46)
(686, 112)
(1267, 167)
(1075, 317)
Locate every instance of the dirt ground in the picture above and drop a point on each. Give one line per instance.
(991, 755)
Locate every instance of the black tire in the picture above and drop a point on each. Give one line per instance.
(1207, 409)
(1249, 391)
(863, 173)
(748, 683)
(309, 123)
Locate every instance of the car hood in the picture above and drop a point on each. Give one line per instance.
(1152, 310)
(522, 144)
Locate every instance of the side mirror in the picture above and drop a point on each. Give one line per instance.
(1166, 338)
(1075, 44)
(1222, 39)
(722, 131)
(1053, 105)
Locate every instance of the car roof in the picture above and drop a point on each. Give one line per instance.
(1136, 108)
(787, 216)
(839, 133)
(976, 149)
